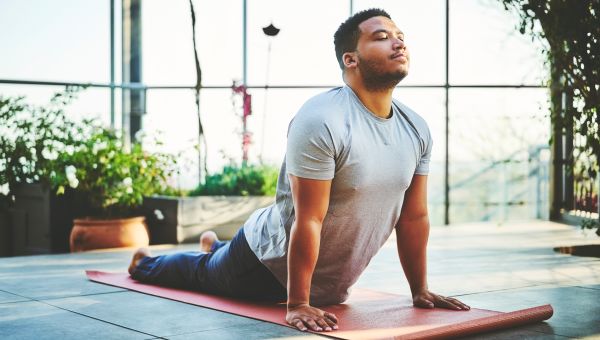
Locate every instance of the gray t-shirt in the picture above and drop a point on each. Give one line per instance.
(371, 162)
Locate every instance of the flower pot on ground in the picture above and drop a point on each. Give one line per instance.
(89, 234)
(42, 146)
(222, 204)
(114, 180)
(587, 250)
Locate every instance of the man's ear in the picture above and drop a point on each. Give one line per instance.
(350, 59)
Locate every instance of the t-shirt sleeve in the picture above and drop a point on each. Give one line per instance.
(427, 144)
(310, 149)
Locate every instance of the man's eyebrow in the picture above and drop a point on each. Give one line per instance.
(383, 30)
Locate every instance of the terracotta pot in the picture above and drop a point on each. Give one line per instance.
(88, 234)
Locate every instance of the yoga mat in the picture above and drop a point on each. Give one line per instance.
(366, 315)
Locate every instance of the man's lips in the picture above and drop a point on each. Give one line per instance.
(398, 55)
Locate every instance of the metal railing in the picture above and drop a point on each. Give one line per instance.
(471, 181)
(506, 189)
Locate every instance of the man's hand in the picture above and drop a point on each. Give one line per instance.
(305, 317)
(427, 299)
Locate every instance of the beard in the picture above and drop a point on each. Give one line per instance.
(376, 79)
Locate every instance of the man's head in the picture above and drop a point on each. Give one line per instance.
(369, 44)
(346, 37)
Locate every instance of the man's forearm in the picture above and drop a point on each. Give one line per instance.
(303, 252)
(411, 238)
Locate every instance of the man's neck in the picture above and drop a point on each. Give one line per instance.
(378, 102)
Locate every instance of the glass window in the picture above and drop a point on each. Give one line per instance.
(487, 48)
(495, 134)
(168, 57)
(423, 23)
(495, 137)
(62, 40)
(303, 51)
(171, 117)
(89, 103)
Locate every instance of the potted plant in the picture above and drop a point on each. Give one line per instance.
(54, 169)
(113, 181)
(222, 203)
(32, 218)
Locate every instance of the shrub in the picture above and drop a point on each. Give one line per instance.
(31, 139)
(249, 180)
(112, 178)
(42, 145)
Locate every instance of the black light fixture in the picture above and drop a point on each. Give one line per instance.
(271, 30)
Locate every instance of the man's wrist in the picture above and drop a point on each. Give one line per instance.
(419, 290)
(296, 304)
(297, 296)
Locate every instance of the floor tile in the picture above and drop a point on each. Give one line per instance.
(149, 314)
(498, 267)
(576, 310)
(258, 331)
(6, 297)
(52, 286)
(516, 334)
(591, 286)
(35, 320)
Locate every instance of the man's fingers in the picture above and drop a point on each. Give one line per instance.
(424, 303)
(299, 324)
(330, 322)
(431, 300)
(312, 319)
(331, 317)
(458, 303)
(312, 324)
(449, 303)
(323, 324)
(442, 301)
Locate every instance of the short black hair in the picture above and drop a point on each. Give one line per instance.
(345, 38)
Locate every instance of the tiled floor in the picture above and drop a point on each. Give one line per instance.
(488, 266)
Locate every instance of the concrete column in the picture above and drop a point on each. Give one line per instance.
(134, 99)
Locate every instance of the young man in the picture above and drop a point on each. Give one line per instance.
(355, 170)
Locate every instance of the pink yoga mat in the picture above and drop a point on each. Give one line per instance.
(366, 315)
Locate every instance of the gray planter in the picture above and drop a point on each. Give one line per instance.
(5, 236)
(40, 221)
(183, 219)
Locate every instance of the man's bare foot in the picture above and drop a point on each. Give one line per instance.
(137, 256)
(207, 239)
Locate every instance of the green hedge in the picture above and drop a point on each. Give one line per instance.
(251, 180)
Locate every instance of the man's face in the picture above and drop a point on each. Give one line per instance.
(383, 58)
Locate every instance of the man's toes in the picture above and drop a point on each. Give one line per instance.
(207, 239)
(137, 256)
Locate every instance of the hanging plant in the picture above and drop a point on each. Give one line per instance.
(570, 31)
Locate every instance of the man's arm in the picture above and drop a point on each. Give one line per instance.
(412, 234)
(311, 200)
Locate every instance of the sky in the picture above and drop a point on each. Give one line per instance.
(68, 40)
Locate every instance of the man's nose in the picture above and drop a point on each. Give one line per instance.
(398, 44)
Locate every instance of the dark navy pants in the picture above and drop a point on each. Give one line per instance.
(231, 269)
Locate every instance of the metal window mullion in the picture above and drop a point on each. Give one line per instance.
(447, 122)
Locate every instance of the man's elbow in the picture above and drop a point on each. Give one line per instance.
(414, 218)
(308, 223)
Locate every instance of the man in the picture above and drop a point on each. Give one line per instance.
(355, 170)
